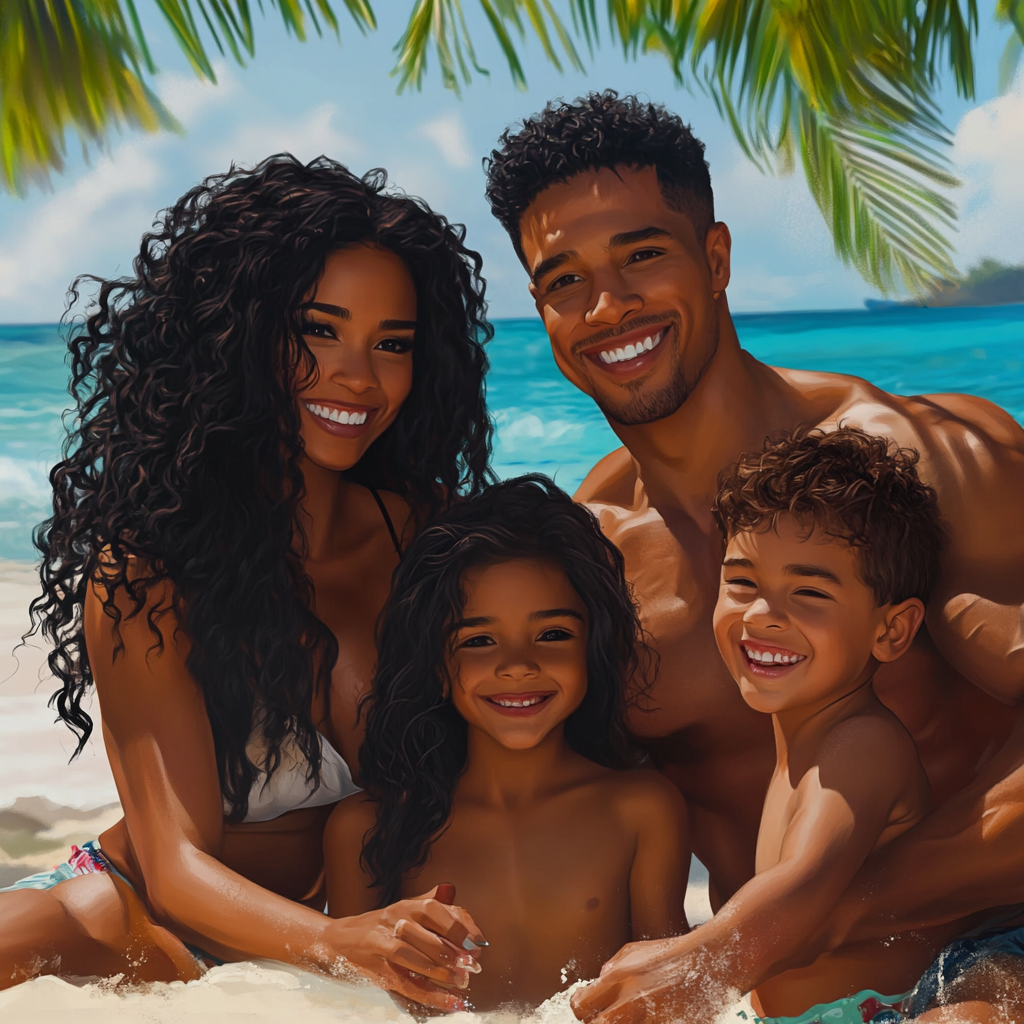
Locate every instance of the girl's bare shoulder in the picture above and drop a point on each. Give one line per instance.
(641, 795)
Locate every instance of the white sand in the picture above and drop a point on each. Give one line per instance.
(76, 801)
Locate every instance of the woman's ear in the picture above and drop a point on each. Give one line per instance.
(898, 629)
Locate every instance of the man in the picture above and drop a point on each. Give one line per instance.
(609, 205)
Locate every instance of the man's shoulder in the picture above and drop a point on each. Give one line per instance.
(612, 481)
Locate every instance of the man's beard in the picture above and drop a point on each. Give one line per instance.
(647, 407)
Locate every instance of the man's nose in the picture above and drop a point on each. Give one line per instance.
(613, 302)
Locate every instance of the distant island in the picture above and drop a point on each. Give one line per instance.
(990, 283)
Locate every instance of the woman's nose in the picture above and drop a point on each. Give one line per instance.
(351, 367)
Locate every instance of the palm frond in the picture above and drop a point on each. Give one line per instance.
(1012, 12)
(66, 64)
(875, 190)
(442, 24)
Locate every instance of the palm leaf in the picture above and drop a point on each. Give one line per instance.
(1011, 11)
(441, 24)
(66, 64)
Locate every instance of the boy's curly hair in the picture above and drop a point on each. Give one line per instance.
(851, 485)
(598, 130)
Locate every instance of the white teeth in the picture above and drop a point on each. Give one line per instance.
(518, 703)
(768, 658)
(618, 355)
(337, 415)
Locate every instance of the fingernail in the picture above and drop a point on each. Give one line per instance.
(467, 963)
(468, 943)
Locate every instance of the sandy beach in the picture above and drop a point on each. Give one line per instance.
(46, 804)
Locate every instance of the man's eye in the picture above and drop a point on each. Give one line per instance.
(564, 281)
(397, 345)
(480, 640)
(311, 328)
(644, 254)
(555, 633)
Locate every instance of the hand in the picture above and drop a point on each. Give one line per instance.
(660, 980)
(412, 948)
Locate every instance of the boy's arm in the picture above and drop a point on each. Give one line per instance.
(661, 864)
(843, 805)
(348, 885)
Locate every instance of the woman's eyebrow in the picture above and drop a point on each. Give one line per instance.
(556, 613)
(331, 310)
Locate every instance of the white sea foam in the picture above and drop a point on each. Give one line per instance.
(258, 993)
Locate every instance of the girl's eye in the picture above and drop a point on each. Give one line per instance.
(397, 345)
(644, 254)
(314, 329)
(481, 640)
(555, 633)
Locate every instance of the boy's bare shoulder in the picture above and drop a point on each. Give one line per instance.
(871, 745)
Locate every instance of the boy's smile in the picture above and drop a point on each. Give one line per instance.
(795, 623)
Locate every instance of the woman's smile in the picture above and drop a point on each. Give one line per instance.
(340, 420)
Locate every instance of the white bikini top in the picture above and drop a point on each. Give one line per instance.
(288, 788)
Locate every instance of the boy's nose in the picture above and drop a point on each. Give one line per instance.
(761, 612)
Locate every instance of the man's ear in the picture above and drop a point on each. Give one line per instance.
(718, 250)
(899, 627)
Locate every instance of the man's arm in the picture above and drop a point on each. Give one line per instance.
(843, 805)
(974, 457)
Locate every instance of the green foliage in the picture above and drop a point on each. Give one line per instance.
(847, 87)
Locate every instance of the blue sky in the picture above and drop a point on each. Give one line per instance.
(322, 97)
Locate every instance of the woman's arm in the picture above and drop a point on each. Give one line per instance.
(661, 864)
(160, 747)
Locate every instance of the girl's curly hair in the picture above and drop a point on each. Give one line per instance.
(183, 462)
(416, 742)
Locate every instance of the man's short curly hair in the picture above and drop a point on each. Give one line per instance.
(596, 131)
(850, 485)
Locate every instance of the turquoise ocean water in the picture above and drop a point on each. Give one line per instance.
(543, 423)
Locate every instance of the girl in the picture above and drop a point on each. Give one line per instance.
(288, 385)
(495, 746)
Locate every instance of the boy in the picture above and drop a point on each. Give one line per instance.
(832, 550)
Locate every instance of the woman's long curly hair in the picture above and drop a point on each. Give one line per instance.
(183, 465)
(416, 742)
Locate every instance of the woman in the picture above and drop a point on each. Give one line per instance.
(289, 385)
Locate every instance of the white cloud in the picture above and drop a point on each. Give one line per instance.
(449, 135)
(307, 137)
(989, 154)
(186, 96)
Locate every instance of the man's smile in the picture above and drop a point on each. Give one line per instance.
(629, 354)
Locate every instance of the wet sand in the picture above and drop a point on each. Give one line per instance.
(46, 804)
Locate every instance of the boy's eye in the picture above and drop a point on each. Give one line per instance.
(740, 581)
(555, 633)
(811, 592)
(480, 640)
(397, 345)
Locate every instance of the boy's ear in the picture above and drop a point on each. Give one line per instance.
(899, 627)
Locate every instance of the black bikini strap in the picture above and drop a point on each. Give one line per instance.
(387, 520)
